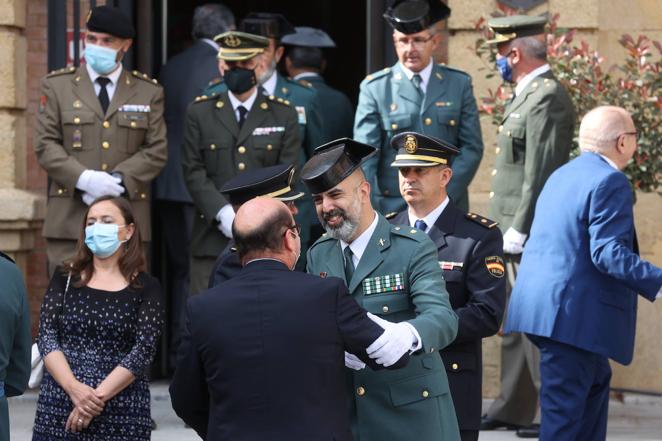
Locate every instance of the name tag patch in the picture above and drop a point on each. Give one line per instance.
(450, 266)
(262, 131)
(383, 284)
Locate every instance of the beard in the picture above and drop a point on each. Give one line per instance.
(350, 222)
(268, 73)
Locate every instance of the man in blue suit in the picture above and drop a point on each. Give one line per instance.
(575, 295)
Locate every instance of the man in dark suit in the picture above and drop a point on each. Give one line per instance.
(470, 250)
(268, 360)
(576, 293)
(181, 84)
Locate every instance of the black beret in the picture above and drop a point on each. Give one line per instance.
(412, 16)
(111, 21)
(273, 182)
(416, 150)
(331, 163)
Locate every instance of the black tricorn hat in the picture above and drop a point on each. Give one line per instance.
(267, 24)
(111, 21)
(412, 16)
(416, 150)
(332, 162)
(270, 182)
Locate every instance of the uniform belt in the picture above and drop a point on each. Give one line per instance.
(2, 389)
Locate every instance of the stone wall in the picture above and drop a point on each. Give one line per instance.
(600, 23)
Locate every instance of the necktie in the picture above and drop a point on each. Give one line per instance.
(103, 93)
(417, 80)
(242, 115)
(263, 91)
(421, 225)
(349, 264)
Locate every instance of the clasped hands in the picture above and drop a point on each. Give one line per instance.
(396, 340)
(88, 403)
(95, 184)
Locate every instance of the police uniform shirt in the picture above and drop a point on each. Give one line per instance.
(270, 84)
(248, 104)
(431, 218)
(424, 74)
(111, 86)
(521, 85)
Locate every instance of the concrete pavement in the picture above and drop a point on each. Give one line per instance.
(637, 417)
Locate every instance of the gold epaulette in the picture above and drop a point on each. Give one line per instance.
(480, 220)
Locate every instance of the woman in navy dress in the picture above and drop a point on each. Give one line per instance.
(99, 325)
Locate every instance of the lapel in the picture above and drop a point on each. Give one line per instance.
(255, 116)
(124, 91)
(521, 98)
(226, 115)
(84, 90)
(444, 226)
(372, 256)
(436, 87)
(404, 87)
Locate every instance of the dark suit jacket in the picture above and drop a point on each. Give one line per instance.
(466, 246)
(227, 266)
(337, 111)
(579, 276)
(261, 362)
(184, 77)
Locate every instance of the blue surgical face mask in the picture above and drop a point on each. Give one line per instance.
(102, 239)
(504, 68)
(103, 60)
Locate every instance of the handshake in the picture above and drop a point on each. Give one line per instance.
(396, 340)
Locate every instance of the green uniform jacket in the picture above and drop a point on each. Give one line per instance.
(337, 110)
(389, 104)
(534, 139)
(216, 149)
(15, 339)
(412, 403)
(74, 135)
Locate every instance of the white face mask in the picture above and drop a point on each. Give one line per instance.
(103, 60)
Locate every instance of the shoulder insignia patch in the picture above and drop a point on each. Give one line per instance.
(378, 74)
(480, 220)
(495, 266)
(454, 69)
(278, 100)
(391, 215)
(215, 81)
(64, 70)
(201, 98)
(3, 255)
(144, 77)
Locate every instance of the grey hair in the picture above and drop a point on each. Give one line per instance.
(532, 47)
(212, 19)
(601, 127)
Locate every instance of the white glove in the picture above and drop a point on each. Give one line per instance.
(397, 340)
(99, 183)
(513, 241)
(353, 362)
(225, 217)
(88, 198)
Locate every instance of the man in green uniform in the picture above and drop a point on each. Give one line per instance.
(392, 272)
(15, 338)
(100, 131)
(227, 133)
(305, 62)
(418, 95)
(534, 139)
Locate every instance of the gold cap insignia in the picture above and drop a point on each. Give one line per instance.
(410, 144)
(232, 41)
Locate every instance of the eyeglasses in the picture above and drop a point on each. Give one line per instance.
(628, 133)
(295, 227)
(417, 42)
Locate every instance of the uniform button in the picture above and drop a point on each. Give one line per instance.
(270, 147)
(76, 120)
(60, 191)
(491, 194)
(394, 126)
(104, 166)
(431, 349)
(241, 149)
(425, 394)
(497, 150)
(500, 129)
(360, 391)
(452, 122)
(241, 166)
(494, 172)
(212, 146)
(106, 124)
(202, 216)
(384, 309)
(105, 145)
(133, 124)
(143, 195)
(455, 366)
(428, 121)
(509, 133)
(386, 192)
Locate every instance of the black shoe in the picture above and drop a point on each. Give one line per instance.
(487, 423)
(532, 431)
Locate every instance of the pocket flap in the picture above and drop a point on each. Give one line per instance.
(418, 389)
(385, 304)
(396, 122)
(448, 117)
(133, 120)
(77, 117)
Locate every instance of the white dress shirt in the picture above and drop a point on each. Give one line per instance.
(425, 74)
(113, 77)
(270, 84)
(432, 216)
(521, 85)
(248, 104)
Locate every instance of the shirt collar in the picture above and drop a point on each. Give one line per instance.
(247, 104)
(359, 244)
(431, 217)
(306, 75)
(270, 84)
(113, 77)
(609, 161)
(521, 85)
(425, 73)
(211, 43)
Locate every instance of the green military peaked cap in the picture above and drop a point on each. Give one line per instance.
(515, 26)
(237, 46)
